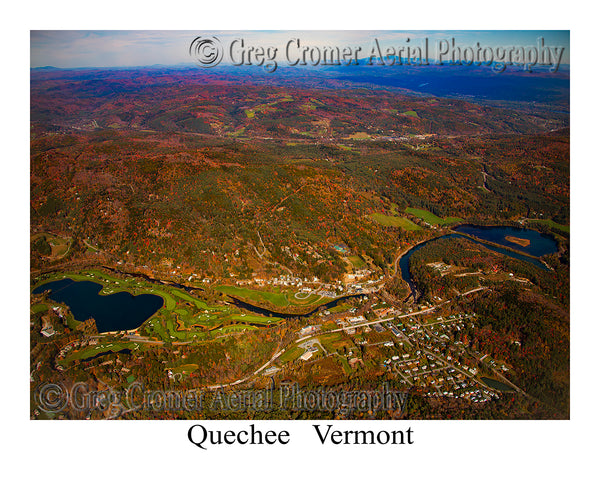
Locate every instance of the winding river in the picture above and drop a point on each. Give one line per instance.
(123, 311)
(539, 245)
(270, 313)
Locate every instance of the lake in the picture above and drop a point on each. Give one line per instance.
(118, 311)
(539, 244)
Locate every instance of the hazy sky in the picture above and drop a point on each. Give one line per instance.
(81, 48)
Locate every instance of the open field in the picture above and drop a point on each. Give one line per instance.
(39, 307)
(356, 261)
(360, 136)
(431, 218)
(255, 319)
(185, 369)
(291, 354)
(552, 224)
(88, 352)
(228, 199)
(333, 341)
(279, 299)
(235, 328)
(391, 221)
(59, 246)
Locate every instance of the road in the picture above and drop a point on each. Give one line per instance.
(412, 314)
(248, 377)
(464, 371)
(303, 339)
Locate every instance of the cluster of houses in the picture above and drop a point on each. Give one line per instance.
(307, 286)
(438, 377)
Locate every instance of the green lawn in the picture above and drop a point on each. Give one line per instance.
(39, 307)
(356, 261)
(196, 301)
(279, 299)
(291, 354)
(431, 218)
(240, 317)
(340, 308)
(552, 224)
(237, 328)
(345, 365)
(391, 221)
(185, 369)
(88, 352)
(59, 246)
(411, 113)
(360, 136)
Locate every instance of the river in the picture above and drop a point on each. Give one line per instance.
(270, 313)
(539, 244)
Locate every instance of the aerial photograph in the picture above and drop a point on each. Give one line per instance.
(299, 225)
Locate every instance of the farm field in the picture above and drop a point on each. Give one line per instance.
(58, 246)
(392, 221)
(356, 261)
(431, 218)
(551, 224)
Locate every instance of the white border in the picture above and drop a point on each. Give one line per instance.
(448, 449)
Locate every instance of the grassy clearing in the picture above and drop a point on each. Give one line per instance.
(451, 220)
(39, 307)
(345, 365)
(255, 319)
(88, 352)
(59, 245)
(360, 136)
(357, 262)
(185, 369)
(291, 354)
(431, 218)
(279, 299)
(391, 221)
(195, 301)
(237, 328)
(238, 132)
(345, 147)
(380, 306)
(343, 307)
(329, 340)
(552, 224)
(411, 113)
